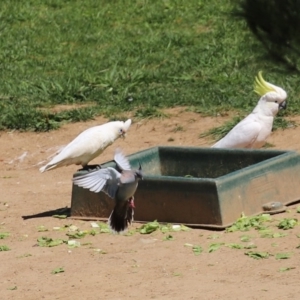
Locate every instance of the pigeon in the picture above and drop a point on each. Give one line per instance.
(253, 131)
(88, 145)
(120, 186)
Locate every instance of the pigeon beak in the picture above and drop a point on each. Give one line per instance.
(282, 105)
(140, 172)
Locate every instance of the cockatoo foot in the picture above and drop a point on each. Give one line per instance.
(90, 168)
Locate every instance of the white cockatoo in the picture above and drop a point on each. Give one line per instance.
(253, 130)
(88, 145)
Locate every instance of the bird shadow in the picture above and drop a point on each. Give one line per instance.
(63, 212)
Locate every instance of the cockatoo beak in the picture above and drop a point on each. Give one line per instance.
(283, 105)
(125, 128)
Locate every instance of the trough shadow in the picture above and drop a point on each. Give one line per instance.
(59, 211)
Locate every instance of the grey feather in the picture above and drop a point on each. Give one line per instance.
(96, 180)
(121, 161)
(119, 186)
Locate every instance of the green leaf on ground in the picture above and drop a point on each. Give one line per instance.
(104, 227)
(244, 223)
(77, 234)
(234, 246)
(49, 242)
(245, 238)
(182, 228)
(58, 270)
(24, 255)
(250, 246)
(60, 216)
(168, 237)
(287, 223)
(213, 236)
(153, 226)
(257, 255)
(197, 249)
(4, 235)
(130, 232)
(282, 255)
(284, 269)
(149, 227)
(270, 234)
(42, 228)
(73, 244)
(4, 248)
(214, 247)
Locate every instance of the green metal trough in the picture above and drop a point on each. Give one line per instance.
(201, 187)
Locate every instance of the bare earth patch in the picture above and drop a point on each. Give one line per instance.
(108, 266)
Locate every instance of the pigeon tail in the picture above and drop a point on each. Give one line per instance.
(121, 216)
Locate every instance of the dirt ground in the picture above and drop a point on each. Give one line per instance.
(136, 266)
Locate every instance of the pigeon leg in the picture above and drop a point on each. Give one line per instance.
(131, 202)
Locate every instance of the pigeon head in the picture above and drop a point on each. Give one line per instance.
(139, 173)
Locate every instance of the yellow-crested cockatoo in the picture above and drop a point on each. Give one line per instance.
(253, 130)
(88, 145)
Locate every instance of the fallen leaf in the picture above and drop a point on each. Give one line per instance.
(58, 270)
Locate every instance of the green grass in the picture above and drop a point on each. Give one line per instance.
(127, 56)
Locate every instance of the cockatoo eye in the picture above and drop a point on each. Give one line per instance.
(122, 133)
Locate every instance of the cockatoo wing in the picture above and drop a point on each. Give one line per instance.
(243, 135)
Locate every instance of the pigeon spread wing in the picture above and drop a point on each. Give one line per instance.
(98, 180)
(112, 184)
(121, 160)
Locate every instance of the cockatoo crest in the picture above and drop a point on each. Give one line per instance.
(261, 87)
